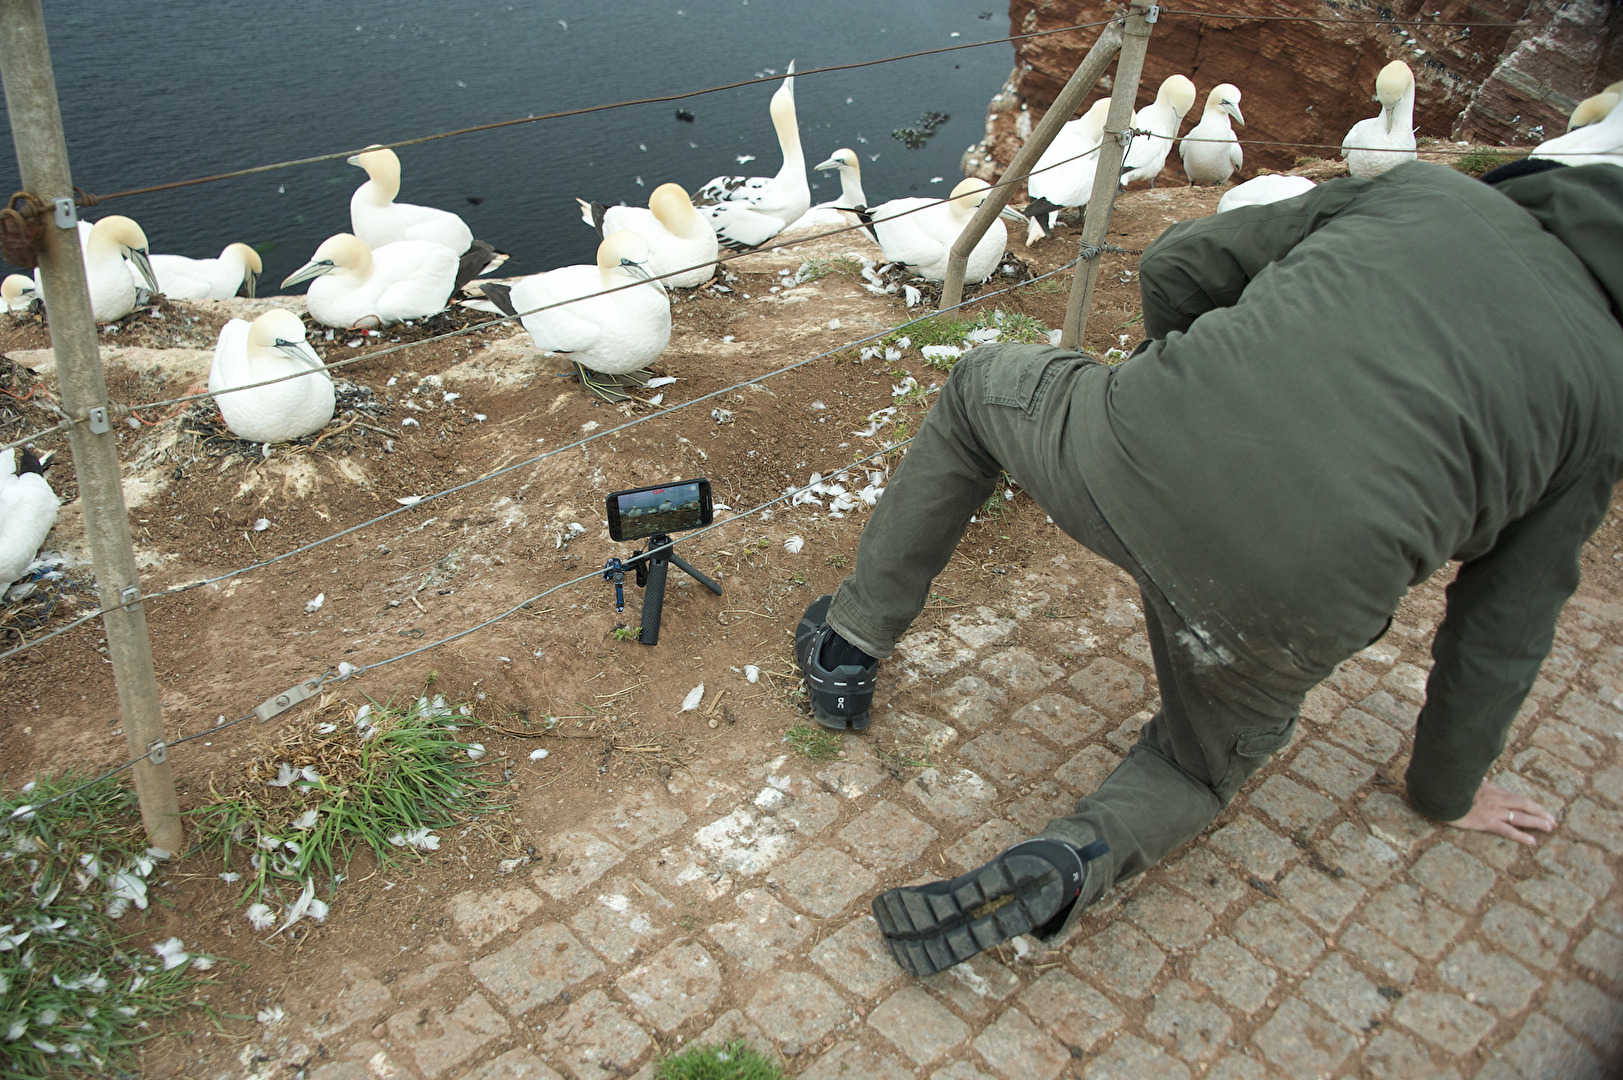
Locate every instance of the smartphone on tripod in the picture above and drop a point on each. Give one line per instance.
(653, 513)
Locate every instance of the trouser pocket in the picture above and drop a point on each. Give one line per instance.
(1252, 749)
(1016, 375)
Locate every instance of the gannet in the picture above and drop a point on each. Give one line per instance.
(678, 237)
(840, 211)
(747, 211)
(1594, 109)
(378, 220)
(612, 337)
(1375, 145)
(1597, 143)
(1148, 153)
(1063, 176)
(1211, 151)
(106, 244)
(233, 273)
(358, 286)
(19, 293)
(272, 345)
(922, 241)
(1261, 190)
(27, 511)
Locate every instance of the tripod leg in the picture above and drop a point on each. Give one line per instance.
(698, 575)
(653, 602)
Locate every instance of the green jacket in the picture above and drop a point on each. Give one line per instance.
(1344, 391)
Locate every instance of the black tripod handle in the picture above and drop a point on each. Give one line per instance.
(694, 572)
(653, 601)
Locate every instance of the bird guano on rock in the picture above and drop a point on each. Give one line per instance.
(1211, 151)
(678, 237)
(28, 509)
(354, 285)
(378, 220)
(747, 211)
(1147, 154)
(922, 241)
(1385, 141)
(234, 273)
(270, 347)
(610, 336)
(1063, 175)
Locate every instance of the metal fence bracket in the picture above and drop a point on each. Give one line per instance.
(99, 422)
(288, 698)
(158, 751)
(67, 215)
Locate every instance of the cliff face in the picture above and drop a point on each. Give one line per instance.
(1308, 82)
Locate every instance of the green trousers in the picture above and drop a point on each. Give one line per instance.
(1016, 408)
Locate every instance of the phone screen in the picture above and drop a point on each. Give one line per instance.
(663, 508)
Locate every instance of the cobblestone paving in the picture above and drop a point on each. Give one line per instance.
(1318, 929)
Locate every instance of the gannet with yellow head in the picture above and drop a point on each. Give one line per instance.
(1064, 175)
(747, 211)
(678, 237)
(272, 346)
(922, 241)
(353, 285)
(1211, 151)
(1147, 154)
(234, 273)
(1382, 142)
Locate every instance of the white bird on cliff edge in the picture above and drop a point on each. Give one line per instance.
(612, 337)
(840, 211)
(1593, 109)
(747, 211)
(1261, 190)
(1063, 176)
(356, 285)
(27, 511)
(1162, 117)
(19, 293)
(678, 237)
(922, 240)
(378, 220)
(270, 347)
(1594, 144)
(234, 273)
(1211, 151)
(113, 289)
(1385, 141)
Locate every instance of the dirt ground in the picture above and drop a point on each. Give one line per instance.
(427, 419)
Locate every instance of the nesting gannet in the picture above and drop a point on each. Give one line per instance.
(1375, 145)
(610, 337)
(678, 237)
(1593, 109)
(27, 511)
(1148, 153)
(271, 346)
(113, 288)
(1063, 176)
(378, 220)
(840, 211)
(1594, 144)
(1261, 190)
(356, 285)
(1211, 151)
(233, 273)
(747, 211)
(19, 293)
(922, 240)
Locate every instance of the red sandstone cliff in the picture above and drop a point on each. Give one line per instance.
(1308, 82)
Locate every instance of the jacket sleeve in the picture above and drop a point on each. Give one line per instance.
(1502, 609)
(1199, 265)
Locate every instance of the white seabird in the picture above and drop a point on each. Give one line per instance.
(922, 240)
(1148, 153)
(271, 346)
(235, 272)
(610, 337)
(107, 243)
(356, 285)
(1385, 141)
(1594, 144)
(19, 293)
(1261, 190)
(1593, 109)
(840, 211)
(747, 211)
(378, 220)
(678, 237)
(1063, 176)
(27, 511)
(1211, 151)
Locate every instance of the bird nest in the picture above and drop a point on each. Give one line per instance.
(357, 410)
(454, 318)
(1011, 270)
(18, 389)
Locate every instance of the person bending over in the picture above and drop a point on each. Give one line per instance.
(1339, 394)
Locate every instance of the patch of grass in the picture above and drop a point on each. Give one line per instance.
(813, 269)
(838, 561)
(985, 328)
(1056, 284)
(76, 998)
(627, 633)
(1478, 162)
(381, 777)
(996, 506)
(813, 741)
(736, 1060)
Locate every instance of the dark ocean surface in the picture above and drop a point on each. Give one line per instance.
(173, 89)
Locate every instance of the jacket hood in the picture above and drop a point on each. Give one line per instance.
(1582, 207)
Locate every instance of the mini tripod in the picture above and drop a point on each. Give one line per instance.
(651, 567)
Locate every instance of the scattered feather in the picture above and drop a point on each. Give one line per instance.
(173, 952)
(409, 500)
(663, 380)
(272, 1015)
(695, 696)
(261, 916)
(315, 605)
(306, 820)
(793, 546)
(476, 750)
(537, 755)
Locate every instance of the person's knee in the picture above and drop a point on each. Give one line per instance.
(1251, 752)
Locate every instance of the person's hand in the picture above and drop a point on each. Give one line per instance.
(1495, 810)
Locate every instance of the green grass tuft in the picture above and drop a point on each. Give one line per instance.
(1478, 162)
(736, 1060)
(76, 997)
(813, 741)
(812, 269)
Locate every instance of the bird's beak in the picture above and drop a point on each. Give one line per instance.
(640, 270)
(308, 271)
(138, 256)
(354, 160)
(300, 351)
(249, 280)
(1012, 216)
(831, 163)
(1234, 111)
(1391, 117)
